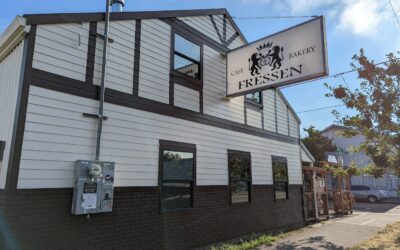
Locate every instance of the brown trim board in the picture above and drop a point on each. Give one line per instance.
(66, 85)
(20, 114)
(99, 16)
(91, 53)
(136, 65)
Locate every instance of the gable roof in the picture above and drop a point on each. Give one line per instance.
(288, 105)
(334, 126)
(114, 16)
(305, 149)
(32, 19)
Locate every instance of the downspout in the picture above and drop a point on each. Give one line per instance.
(103, 76)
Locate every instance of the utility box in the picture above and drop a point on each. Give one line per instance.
(93, 187)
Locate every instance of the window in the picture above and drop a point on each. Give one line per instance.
(177, 170)
(254, 97)
(2, 147)
(239, 176)
(187, 57)
(280, 177)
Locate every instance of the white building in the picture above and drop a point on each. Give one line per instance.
(388, 182)
(50, 67)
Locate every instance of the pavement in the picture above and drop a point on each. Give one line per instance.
(341, 232)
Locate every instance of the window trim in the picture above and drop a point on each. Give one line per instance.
(280, 159)
(176, 146)
(250, 181)
(253, 104)
(177, 74)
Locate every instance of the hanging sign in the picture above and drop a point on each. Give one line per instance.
(293, 55)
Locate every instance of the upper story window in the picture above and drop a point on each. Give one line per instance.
(254, 98)
(187, 57)
(177, 175)
(280, 177)
(239, 176)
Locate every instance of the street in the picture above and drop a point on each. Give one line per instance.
(342, 232)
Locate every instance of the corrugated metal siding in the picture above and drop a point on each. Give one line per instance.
(120, 56)
(214, 89)
(62, 49)
(254, 118)
(186, 98)
(10, 72)
(57, 134)
(155, 52)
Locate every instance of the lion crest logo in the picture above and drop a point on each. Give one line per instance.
(266, 55)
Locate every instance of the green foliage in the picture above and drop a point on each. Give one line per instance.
(353, 170)
(377, 106)
(317, 144)
(249, 242)
(169, 156)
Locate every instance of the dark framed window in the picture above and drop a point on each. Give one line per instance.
(280, 177)
(2, 147)
(176, 175)
(254, 97)
(187, 57)
(239, 165)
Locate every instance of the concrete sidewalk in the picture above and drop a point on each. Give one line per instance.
(342, 232)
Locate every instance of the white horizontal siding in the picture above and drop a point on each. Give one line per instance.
(10, 73)
(254, 118)
(186, 98)
(293, 126)
(204, 25)
(305, 157)
(120, 56)
(155, 60)
(57, 134)
(230, 31)
(214, 89)
(282, 116)
(62, 49)
(269, 110)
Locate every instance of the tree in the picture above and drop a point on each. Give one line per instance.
(318, 144)
(377, 106)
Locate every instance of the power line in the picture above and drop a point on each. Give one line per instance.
(331, 76)
(311, 110)
(394, 12)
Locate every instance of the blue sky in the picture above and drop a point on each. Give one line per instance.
(351, 25)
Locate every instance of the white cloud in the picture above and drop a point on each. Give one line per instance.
(359, 17)
(256, 1)
(307, 6)
(363, 17)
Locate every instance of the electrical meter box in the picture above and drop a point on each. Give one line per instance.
(93, 187)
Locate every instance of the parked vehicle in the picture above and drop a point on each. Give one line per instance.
(367, 193)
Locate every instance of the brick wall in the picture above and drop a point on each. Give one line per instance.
(41, 219)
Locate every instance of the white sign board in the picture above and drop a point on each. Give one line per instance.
(293, 55)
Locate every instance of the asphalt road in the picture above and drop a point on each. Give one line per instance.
(342, 232)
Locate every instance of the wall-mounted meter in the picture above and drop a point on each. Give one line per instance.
(93, 187)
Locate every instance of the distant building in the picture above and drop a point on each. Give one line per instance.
(388, 182)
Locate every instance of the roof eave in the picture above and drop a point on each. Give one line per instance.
(13, 35)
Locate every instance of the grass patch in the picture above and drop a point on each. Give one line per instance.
(249, 242)
(388, 238)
